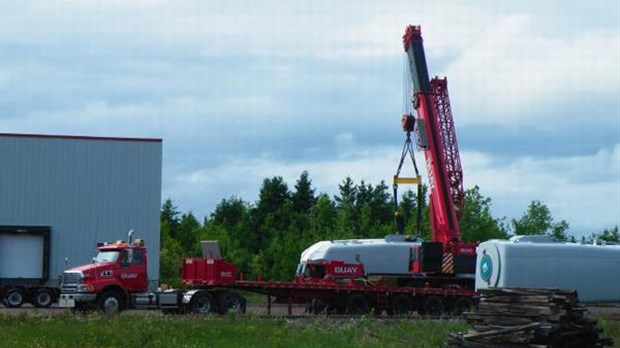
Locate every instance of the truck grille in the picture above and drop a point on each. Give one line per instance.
(70, 281)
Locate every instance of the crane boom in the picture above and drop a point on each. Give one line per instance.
(450, 145)
(432, 104)
(446, 254)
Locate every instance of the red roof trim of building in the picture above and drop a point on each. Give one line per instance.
(80, 137)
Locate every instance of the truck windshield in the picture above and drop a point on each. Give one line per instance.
(106, 256)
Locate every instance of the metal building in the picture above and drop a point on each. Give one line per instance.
(75, 191)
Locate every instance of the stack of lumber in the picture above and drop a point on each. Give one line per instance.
(524, 317)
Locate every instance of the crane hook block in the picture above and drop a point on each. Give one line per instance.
(408, 122)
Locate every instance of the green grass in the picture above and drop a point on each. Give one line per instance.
(95, 330)
(179, 331)
(611, 329)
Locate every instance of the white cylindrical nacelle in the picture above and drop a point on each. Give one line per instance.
(379, 256)
(592, 270)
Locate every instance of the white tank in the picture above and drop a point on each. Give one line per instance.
(391, 255)
(593, 270)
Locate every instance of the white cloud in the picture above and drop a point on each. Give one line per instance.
(511, 71)
(583, 190)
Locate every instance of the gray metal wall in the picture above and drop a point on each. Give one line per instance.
(86, 189)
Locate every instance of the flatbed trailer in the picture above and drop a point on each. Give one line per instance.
(331, 295)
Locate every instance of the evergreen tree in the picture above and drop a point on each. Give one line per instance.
(269, 216)
(303, 197)
(170, 249)
(188, 234)
(323, 218)
(348, 192)
(169, 219)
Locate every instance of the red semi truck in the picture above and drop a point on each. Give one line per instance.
(116, 280)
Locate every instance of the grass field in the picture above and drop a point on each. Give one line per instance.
(67, 330)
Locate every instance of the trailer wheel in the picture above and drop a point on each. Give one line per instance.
(316, 306)
(14, 298)
(172, 311)
(401, 305)
(202, 303)
(43, 298)
(462, 305)
(110, 302)
(357, 304)
(432, 306)
(231, 302)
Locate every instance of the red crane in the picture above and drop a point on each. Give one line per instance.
(436, 136)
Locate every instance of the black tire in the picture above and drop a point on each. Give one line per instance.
(401, 305)
(202, 303)
(43, 298)
(110, 302)
(357, 304)
(172, 311)
(231, 302)
(81, 308)
(317, 306)
(14, 298)
(462, 305)
(432, 306)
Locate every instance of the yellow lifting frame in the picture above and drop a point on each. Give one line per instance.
(398, 180)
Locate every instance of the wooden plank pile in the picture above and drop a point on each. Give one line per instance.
(525, 317)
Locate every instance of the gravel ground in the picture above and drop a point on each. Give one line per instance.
(608, 312)
(254, 308)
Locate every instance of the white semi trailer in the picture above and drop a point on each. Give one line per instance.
(25, 266)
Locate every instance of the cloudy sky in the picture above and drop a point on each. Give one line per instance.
(243, 90)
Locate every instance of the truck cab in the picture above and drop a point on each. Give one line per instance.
(117, 271)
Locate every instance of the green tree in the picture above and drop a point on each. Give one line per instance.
(538, 220)
(169, 219)
(347, 192)
(323, 217)
(188, 232)
(268, 216)
(408, 206)
(610, 235)
(170, 256)
(170, 249)
(303, 197)
(346, 220)
(477, 223)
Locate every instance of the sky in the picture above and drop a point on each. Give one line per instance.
(244, 90)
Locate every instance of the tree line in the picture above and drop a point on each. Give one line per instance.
(267, 236)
